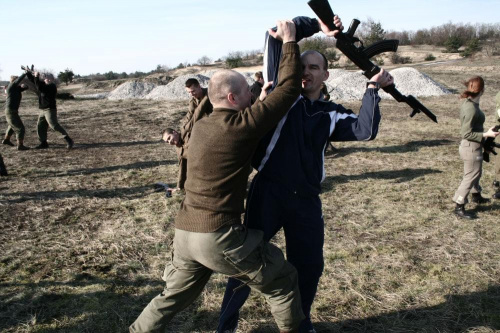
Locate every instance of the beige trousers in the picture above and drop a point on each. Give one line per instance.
(472, 155)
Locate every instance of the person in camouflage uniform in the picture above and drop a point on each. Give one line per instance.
(15, 124)
(47, 92)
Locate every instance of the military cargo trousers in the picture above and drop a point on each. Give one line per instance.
(233, 251)
(15, 125)
(46, 118)
(472, 155)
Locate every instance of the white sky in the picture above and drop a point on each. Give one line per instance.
(125, 36)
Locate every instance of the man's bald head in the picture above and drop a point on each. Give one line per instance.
(222, 83)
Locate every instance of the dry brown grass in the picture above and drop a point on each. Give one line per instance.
(84, 238)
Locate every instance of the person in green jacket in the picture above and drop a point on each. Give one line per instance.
(15, 125)
(496, 183)
(471, 149)
(209, 236)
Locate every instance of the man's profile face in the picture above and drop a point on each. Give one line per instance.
(172, 138)
(313, 72)
(195, 91)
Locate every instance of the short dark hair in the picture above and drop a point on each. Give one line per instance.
(325, 61)
(168, 131)
(191, 82)
(258, 75)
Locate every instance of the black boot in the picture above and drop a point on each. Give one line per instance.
(42, 145)
(3, 169)
(7, 142)
(460, 212)
(496, 184)
(477, 198)
(69, 142)
(497, 195)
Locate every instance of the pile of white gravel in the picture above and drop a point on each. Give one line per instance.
(349, 86)
(176, 89)
(343, 86)
(132, 90)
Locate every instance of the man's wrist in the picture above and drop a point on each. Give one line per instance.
(373, 85)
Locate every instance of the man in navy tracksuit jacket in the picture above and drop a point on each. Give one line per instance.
(290, 163)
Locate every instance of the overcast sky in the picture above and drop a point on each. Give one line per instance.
(94, 36)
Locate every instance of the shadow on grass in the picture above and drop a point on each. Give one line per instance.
(90, 171)
(399, 176)
(460, 313)
(118, 192)
(408, 147)
(114, 144)
(111, 306)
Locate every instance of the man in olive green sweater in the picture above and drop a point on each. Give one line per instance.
(209, 236)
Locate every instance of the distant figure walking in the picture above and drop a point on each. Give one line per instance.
(471, 149)
(15, 125)
(47, 92)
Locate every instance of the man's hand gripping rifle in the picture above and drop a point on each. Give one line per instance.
(360, 55)
(27, 69)
(489, 146)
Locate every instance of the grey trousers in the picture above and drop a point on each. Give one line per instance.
(233, 251)
(46, 118)
(472, 155)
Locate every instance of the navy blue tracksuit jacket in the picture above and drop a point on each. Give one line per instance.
(290, 163)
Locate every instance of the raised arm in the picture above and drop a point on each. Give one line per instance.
(304, 26)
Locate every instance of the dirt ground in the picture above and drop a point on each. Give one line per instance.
(84, 237)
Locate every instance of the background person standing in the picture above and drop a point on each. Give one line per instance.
(471, 149)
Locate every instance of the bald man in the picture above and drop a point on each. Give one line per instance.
(209, 236)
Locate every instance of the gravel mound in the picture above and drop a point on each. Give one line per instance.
(93, 96)
(133, 89)
(349, 86)
(177, 88)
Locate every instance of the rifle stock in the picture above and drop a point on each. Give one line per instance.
(360, 55)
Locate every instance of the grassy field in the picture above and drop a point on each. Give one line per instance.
(84, 238)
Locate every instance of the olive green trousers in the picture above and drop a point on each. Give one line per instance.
(48, 118)
(233, 251)
(15, 124)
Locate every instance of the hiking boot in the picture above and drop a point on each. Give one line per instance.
(460, 212)
(477, 198)
(69, 142)
(496, 184)
(42, 145)
(7, 142)
(22, 147)
(496, 195)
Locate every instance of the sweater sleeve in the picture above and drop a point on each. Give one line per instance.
(346, 126)
(19, 79)
(467, 122)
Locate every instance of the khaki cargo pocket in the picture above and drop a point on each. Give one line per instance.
(248, 257)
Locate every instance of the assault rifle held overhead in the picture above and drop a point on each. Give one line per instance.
(489, 146)
(360, 55)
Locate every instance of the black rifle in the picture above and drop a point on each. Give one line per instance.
(489, 146)
(28, 69)
(360, 55)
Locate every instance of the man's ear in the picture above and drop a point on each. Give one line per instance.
(327, 75)
(231, 98)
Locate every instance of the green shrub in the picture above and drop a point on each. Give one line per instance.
(397, 59)
(430, 57)
(233, 62)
